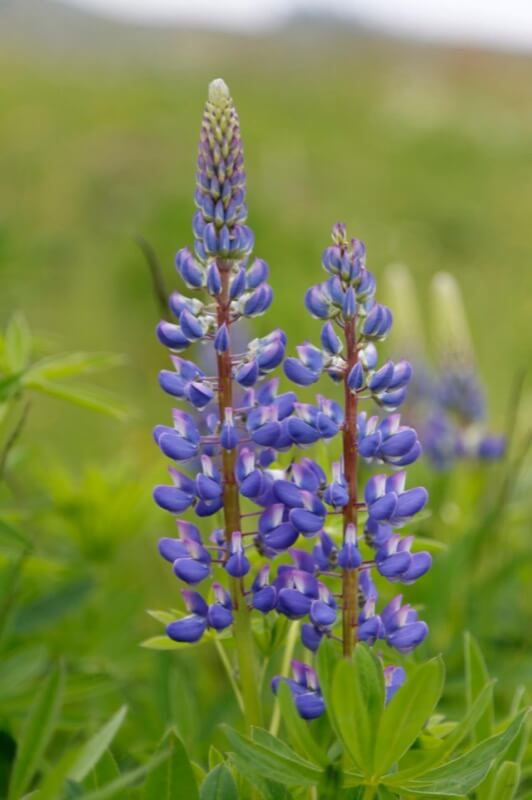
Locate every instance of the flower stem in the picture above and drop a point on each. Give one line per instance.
(230, 673)
(369, 793)
(243, 637)
(350, 510)
(291, 641)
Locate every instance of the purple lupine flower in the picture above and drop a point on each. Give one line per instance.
(227, 447)
(305, 690)
(201, 616)
(234, 439)
(354, 322)
(394, 677)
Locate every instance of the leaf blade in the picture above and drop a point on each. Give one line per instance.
(404, 717)
(91, 751)
(219, 785)
(174, 775)
(37, 733)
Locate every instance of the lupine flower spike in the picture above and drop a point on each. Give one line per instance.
(222, 454)
(222, 448)
(354, 322)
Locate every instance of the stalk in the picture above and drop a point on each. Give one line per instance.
(350, 510)
(232, 522)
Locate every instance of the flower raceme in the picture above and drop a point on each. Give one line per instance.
(224, 449)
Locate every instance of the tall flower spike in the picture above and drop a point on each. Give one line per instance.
(228, 447)
(348, 354)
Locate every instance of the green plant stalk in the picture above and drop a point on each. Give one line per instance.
(350, 513)
(369, 793)
(291, 641)
(230, 673)
(244, 645)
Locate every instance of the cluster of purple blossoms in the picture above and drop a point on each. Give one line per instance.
(223, 454)
(353, 322)
(449, 407)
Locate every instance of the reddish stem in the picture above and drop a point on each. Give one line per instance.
(350, 510)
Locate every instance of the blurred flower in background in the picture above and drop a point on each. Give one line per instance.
(447, 400)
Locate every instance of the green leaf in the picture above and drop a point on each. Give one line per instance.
(281, 765)
(506, 781)
(20, 668)
(298, 730)
(52, 606)
(463, 774)
(164, 617)
(175, 776)
(358, 703)
(88, 397)
(163, 643)
(127, 779)
(327, 660)
(104, 771)
(477, 677)
(406, 714)
(17, 343)
(215, 757)
(68, 365)
(12, 537)
(37, 733)
(219, 785)
(425, 759)
(10, 385)
(53, 783)
(91, 752)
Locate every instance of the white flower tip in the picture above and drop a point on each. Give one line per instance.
(218, 92)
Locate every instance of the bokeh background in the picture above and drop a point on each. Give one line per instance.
(420, 140)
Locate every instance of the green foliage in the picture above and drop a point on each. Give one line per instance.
(37, 734)
(386, 751)
(358, 705)
(20, 376)
(219, 785)
(403, 719)
(174, 775)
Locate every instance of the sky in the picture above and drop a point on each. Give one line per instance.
(501, 23)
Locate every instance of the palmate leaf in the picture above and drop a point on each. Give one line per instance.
(281, 765)
(358, 704)
(37, 733)
(405, 716)
(425, 760)
(463, 774)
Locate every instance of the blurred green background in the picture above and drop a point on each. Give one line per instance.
(426, 154)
